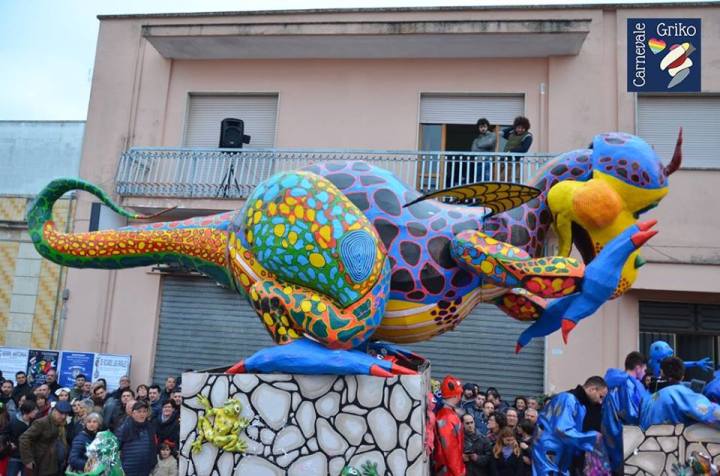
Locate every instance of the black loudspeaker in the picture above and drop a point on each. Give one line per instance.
(232, 134)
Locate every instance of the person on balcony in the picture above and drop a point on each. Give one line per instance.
(486, 141)
(518, 137)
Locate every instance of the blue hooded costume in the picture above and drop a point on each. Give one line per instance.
(661, 350)
(560, 435)
(621, 407)
(678, 404)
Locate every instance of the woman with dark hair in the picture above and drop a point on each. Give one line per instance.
(141, 393)
(496, 422)
(507, 459)
(168, 425)
(518, 137)
(520, 405)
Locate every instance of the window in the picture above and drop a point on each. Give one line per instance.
(447, 123)
(693, 330)
(660, 118)
(205, 113)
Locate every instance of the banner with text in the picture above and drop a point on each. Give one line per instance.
(73, 364)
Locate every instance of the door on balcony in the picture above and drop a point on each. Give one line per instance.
(447, 123)
(202, 131)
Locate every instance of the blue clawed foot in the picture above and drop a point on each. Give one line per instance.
(401, 353)
(305, 356)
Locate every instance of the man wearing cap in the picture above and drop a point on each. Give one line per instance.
(43, 447)
(449, 437)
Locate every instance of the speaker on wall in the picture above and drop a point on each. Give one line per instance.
(232, 134)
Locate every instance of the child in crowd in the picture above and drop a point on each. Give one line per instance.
(167, 464)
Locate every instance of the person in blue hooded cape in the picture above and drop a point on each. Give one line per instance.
(712, 389)
(661, 350)
(622, 405)
(677, 403)
(560, 433)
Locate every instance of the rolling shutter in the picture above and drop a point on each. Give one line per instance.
(482, 350)
(203, 325)
(207, 111)
(660, 118)
(467, 109)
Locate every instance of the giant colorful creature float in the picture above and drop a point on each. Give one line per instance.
(338, 257)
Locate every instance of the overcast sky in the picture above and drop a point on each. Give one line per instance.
(47, 47)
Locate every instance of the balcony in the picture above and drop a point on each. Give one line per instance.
(232, 174)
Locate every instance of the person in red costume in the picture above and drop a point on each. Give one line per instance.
(449, 434)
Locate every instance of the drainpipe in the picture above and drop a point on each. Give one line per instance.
(63, 315)
(60, 316)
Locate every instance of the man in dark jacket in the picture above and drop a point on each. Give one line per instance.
(138, 453)
(477, 451)
(17, 426)
(155, 401)
(22, 387)
(51, 380)
(43, 447)
(170, 387)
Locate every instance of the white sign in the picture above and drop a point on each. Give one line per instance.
(111, 368)
(12, 361)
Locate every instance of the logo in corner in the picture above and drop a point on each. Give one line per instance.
(653, 66)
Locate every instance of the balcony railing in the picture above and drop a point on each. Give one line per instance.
(229, 173)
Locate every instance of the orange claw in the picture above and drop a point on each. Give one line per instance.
(238, 368)
(646, 225)
(378, 371)
(567, 326)
(400, 370)
(518, 347)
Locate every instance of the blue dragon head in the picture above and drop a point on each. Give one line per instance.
(627, 180)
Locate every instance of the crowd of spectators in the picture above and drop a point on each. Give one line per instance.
(497, 435)
(45, 428)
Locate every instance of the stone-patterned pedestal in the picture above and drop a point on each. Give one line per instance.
(654, 452)
(311, 425)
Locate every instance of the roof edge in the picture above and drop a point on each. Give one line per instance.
(584, 6)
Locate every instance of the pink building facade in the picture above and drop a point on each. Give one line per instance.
(400, 79)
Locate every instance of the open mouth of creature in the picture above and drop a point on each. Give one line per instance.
(584, 244)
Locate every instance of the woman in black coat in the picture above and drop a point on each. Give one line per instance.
(168, 425)
(507, 460)
(78, 450)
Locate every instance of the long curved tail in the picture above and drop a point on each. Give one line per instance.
(197, 243)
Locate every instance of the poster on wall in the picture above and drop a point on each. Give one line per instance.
(111, 368)
(74, 363)
(12, 361)
(38, 364)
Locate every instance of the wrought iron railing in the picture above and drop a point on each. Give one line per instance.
(229, 173)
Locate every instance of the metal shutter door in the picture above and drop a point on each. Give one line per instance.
(482, 350)
(203, 325)
(660, 118)
(206, 112)
(457, 109)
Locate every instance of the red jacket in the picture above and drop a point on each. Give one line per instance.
(449, 443)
